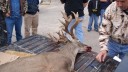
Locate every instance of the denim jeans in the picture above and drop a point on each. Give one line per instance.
(101, 16)
(115, 49)
(78, 29)
(10, 22)
(91, 18)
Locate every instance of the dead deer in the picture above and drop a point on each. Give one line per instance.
(59, 61)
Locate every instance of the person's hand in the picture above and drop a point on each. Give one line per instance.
(7, 14)
(101, 56)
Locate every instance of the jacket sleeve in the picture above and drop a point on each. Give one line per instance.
(4, 6)
(105, 29)
(63, 1)
(85, 1)
(90, 8)
(99, 8)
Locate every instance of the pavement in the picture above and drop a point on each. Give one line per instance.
(49, 23)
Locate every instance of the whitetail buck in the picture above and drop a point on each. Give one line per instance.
(58, 61)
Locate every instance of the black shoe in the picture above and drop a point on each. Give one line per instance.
(89, 30)
(96, 30)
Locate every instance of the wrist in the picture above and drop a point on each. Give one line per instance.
(104, 51)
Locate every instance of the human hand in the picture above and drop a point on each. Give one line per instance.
(7, 14)
(101, 56)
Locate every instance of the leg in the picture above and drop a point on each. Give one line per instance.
(113, 48)
(96, 22)
(35, 24)
(18, 25)
(90, 22)
(101, 16)
(124, 50)
(79, 32)
(27, 24)
(9, 26)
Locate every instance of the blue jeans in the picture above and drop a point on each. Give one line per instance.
(78, 30)
(91, 18)
(115, 49)
(101, 16)
(10, 22)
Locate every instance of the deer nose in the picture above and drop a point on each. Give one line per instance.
(88, 48)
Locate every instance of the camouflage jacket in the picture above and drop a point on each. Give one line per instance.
(5, 6)
(114, 26)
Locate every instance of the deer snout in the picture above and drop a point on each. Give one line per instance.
(88, 48)
(85, 49)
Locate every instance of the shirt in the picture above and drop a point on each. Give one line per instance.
(15, 7)
(32, 6)
(75, 6)
(104, 5)
(114, 26)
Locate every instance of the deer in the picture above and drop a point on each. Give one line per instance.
(61, 60)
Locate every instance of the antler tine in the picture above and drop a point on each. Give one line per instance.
(60, 36)
(62, 32)
(75, 24)
(62, 22)
(64, 16)
(53, 38)
(50, 36)
(67, 20)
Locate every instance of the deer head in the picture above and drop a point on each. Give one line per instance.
(69, 37)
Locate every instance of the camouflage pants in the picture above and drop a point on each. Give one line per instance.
(31, 22)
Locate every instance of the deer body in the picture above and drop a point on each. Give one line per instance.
(60, 61)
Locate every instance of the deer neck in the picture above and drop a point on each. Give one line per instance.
(69, 50)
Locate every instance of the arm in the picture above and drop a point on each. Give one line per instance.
(85, 2)
(105, 32)
(26, 6)
(5, 7)
(90, 8)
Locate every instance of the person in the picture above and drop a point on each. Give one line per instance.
(114, 31)
(103, 6)
(14, 10)
(31, 17)
(75, 6)
(94, 12)
(3, 34)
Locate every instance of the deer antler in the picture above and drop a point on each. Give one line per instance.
(62, 36)
(53, 38)
(75, 24)
(67, 21)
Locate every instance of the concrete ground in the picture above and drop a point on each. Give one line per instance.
(49, 23)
